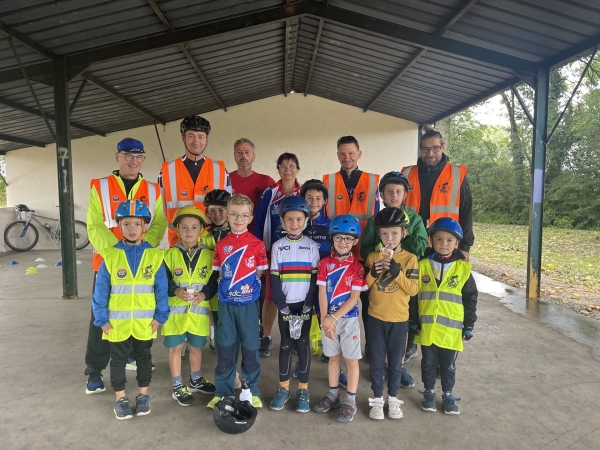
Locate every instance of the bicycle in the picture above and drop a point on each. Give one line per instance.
(23, 235)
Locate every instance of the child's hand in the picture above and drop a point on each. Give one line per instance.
(182, 293)
(106, 328)
(385, 263)
(198, 297)
(328, 326)
(154, 325)
(377, 268)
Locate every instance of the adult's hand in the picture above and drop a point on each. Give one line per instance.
(467, 256)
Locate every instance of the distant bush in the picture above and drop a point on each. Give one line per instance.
(495, 217)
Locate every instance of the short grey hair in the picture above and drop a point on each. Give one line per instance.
(244, 141)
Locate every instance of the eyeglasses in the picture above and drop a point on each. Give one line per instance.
(235, 216)
(346, 240)
(434, 149)
(129, 157)
(289, 166)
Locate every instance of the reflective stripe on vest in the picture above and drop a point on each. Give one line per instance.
(128, 289)
(105, 199)
(410, 208)
(126, 315)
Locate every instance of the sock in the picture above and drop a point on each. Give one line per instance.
(334, 390)
(285, 384)
(351, 396)
(303, 386)
(177, 383)
(195, 375)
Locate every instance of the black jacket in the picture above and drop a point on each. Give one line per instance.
(428, 176)
(469, 292)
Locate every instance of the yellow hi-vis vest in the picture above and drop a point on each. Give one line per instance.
(441, 310)
(183, 316)
(132, 303)
(209, 240)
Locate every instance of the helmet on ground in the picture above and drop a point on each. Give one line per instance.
(293, 203)
(132, 208)
(446, 224)
(345, 224)
(314, 184)
(195, 123)
(217, 197)
(130, 145)
(391, 217)
(189, 211)
(233, 416)
(395, 178)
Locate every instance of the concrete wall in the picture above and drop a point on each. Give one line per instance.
(307, 126)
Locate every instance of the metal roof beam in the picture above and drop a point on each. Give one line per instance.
(123, 98)
(196, 67)
(24, 141)
(161, 15)
(286, 55)
(79, 92)
(10, 32)
(314, 57)
(34, 112)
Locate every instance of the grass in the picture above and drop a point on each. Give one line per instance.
(570, 256)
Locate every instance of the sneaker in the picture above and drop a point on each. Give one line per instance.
(302, 400)
(123, 409)
(237, 383)
(324, 359)
(411, 353)
(201, 385)
(131, 364)
(256, 402)
(142, 405)
(376, 405)
(394, 411)
(428, 403)
(266, 344)
(296, 373)
(343, 380)
(211, 344)
(153, 367)
(182, 396)
(95, 385)
(213, 402)
(449, 403)
(328, 402)
(211, 341)
(347, 411)
(280, 399)
(406, 381)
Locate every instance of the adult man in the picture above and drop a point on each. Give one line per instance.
(440, 189)
(105, 195)
(186, 180)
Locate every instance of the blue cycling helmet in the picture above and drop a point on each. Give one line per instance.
(446, 224)
(293, 203)
(132, 208)
(345, 224)
(130, 145)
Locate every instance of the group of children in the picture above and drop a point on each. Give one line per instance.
(217, 268)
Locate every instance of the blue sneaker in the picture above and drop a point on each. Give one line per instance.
(142, 405)
(266, 344)
(302, 400)
(280, 399)
(123, 409)
(95, 385)
(449, 403)
(406, 381)
(296, 373)
(343, 380)
(428, 403)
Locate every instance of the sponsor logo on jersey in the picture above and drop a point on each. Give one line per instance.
(250, 262)
(227, 273)
(283, 247)
(303, 248)
(228, 249)
(330, 266)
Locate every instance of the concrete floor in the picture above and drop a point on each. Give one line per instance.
(523, 384)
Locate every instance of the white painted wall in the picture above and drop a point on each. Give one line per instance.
(307, 126)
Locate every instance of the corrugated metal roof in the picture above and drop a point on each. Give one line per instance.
(414, 59)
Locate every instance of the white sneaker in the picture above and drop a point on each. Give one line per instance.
(394, 411)
(376, 405)
(237, 384)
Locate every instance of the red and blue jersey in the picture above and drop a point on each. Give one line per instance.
(238, 257)
(341, 278)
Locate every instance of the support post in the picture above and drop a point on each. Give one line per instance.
(538, 171)
(65, 178)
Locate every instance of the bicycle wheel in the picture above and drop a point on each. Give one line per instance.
(81, 235)
(19, 238)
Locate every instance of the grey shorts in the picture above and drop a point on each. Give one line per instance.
(347, 339)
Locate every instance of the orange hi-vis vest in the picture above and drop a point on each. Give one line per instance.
(111, 194)
(363, 201)
(445, 197)
(179, 189)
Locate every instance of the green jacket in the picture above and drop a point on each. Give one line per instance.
(416, 242)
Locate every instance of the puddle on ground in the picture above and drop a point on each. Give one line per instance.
(583, 329)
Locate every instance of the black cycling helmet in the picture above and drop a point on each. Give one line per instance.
(217, 197)
(233, 416)
(314, 184)
(391, 217)
(395, 178)
(194, 123)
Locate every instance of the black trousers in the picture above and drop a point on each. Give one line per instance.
(287, 343)
(364, 300)
(97, 351)
(386, 339)
(119, 353)
(431, 355)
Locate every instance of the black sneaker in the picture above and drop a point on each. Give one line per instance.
(201, 385)
(411, 353)
(266, 344)
(123, 409)
(428, 403)
(182, 396)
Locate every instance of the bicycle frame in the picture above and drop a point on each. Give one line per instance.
(53, 232)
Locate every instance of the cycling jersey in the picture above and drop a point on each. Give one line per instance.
(318, 231)
(341, 278)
